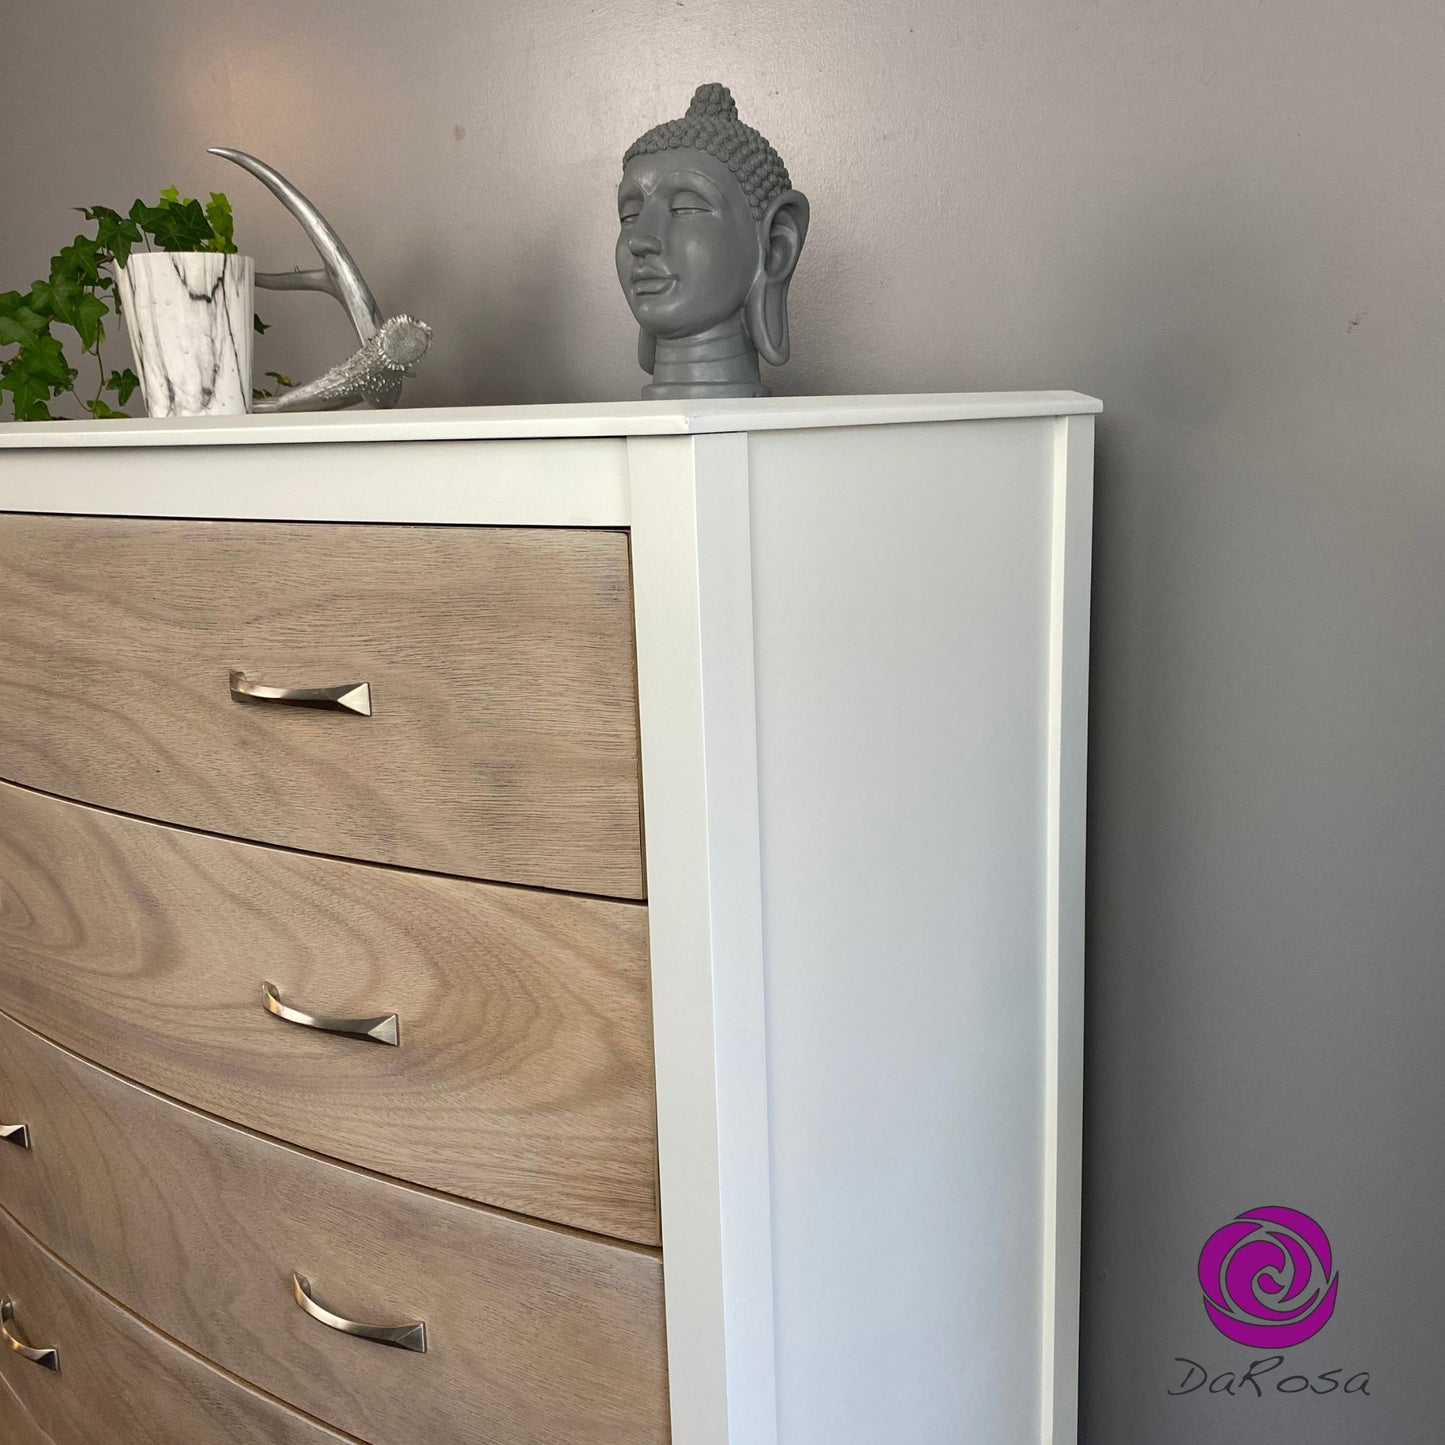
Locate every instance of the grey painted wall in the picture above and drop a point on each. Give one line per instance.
(1227, 219)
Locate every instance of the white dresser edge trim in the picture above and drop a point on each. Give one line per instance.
(692, 581)
(573, 419)
(1069, 596)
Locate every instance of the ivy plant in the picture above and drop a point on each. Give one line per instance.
(80, 291)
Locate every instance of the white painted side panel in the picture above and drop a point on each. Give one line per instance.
(901, 593)
(1069, 596)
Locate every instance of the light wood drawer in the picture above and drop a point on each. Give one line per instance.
(119, 1382)
(503, 741)
(535, 1335)
(523, 1076)
(17, 1425)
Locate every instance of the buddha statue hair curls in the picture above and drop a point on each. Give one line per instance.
(712, 125)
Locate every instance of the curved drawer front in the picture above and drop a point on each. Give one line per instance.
(533, 1334)
(17, 1425)
(119, 1382)
(502, 741)
(523, 1073)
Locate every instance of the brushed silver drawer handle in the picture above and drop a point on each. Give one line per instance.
(410, 1336)
(345, 697)
(17, 1134)
(383, 1029)
(46, 1359)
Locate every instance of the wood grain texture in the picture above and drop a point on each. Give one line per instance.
(504, 738)
(524, 1076)
(120, 1382)
(17, 1425)
(536, 1335)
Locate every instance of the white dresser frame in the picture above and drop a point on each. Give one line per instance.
(684, 478)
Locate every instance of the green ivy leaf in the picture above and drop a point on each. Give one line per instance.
(114, 233)
(64, 296)
(45, 362)
(223, 225)
(261, 327)
(123, 384)
(33, 374)
(74, 305)
(181, 227)
(171, 197)
(30, 400)
(20, 326)
(102, 411)
(40, 299)
(87, 321)
(79, 262)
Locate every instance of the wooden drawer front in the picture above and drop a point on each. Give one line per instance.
(119, 1382)
(523, 1076)
(503, 741)
(534, 1334)
(17, 1425)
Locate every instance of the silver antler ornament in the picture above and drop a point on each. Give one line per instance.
(389, 348)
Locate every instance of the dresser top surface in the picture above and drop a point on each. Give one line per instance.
(582, 419)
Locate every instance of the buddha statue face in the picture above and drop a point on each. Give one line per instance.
(687, 248)
(709, 234)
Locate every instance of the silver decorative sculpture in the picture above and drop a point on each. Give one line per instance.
(711, 232)
(390, 348)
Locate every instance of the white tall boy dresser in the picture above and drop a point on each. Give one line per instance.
(549, 925)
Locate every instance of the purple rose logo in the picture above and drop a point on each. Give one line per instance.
(1267, 1278)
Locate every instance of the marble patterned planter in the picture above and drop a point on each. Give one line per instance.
(189, 318)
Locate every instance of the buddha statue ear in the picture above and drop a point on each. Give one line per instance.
(782, 230)
(646, 350)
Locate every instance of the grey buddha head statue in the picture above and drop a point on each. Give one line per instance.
(710, 234)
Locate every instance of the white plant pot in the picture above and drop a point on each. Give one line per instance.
(189, 318)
